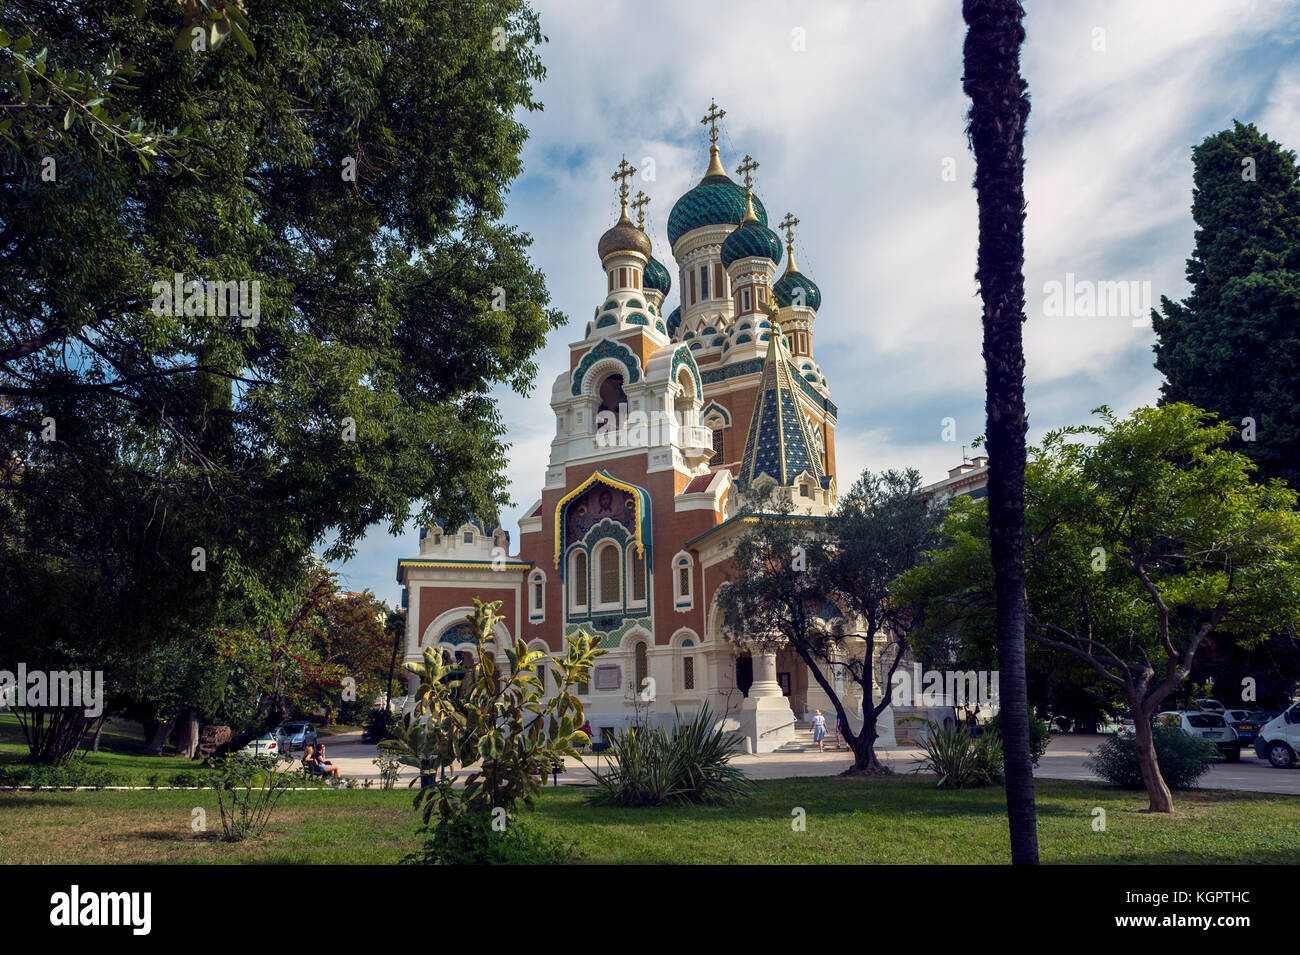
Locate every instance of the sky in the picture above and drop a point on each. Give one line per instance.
(856, 114)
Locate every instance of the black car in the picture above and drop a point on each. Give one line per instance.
(1247, 723)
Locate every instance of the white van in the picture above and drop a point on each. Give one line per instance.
(1279, 739)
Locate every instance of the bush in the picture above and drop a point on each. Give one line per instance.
(1040, 734)
(248, 789)
(959, 761)
(472, 839)
(649, 767)
(71, 774)
(188, 778)
(1183, 759)
(381, 724)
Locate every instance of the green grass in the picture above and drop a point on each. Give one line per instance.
(902, 819)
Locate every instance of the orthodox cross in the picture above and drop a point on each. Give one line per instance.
(639, 204)
(711, 120)
(787, 226)
(625, 172)
(746, 167)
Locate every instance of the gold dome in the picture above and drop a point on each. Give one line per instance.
(623, 237)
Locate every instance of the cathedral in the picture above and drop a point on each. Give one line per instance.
(661, 421)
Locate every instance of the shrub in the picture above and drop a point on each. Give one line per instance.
(1040, 734)
(248, 789)
(650, 767)
(389, 767)
(69, 774)
(474, 839)
(188, 778)
(959, 761)
(1183, 759)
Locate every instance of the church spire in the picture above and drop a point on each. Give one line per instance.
(711, 120)
(779, 445)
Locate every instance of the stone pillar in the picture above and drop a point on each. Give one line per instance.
(765, 715)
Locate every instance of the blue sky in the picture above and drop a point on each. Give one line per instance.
(853, 132)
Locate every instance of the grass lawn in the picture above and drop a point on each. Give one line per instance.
(903, 819)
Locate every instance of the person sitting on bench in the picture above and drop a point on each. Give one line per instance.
(316, 767)
(329, 768)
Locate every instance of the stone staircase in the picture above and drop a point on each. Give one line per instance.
(803, 742)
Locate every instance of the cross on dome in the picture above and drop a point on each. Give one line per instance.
(787, 226)
(639, 204)
(745, 169)
(625, 172)
(711, 120)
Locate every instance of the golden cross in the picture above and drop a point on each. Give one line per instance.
(746, 167)
(639, 204)
(711, 120)
(787, 225)
(625, 172)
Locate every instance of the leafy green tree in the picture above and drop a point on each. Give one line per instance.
(995, 128)
(802, 582)
(1146, 537)
(165, 452)
(1233, 345)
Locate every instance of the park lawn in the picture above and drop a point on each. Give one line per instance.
(903, 819)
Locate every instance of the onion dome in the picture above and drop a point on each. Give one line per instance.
(656, 277)
(715, 201)
(623, 237)
(784, 289)
(674, 320)
(753, 238)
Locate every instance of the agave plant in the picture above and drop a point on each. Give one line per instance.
(958, 760)
(650, 767)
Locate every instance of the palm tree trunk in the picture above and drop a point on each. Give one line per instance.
(996, 129)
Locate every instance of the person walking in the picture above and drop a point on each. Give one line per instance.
(819, 730)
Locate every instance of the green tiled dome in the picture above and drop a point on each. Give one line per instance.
(657, 277)
(674, 320)
(715, 201)
(751, 239)
(784, 290)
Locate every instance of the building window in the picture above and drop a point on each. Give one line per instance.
(437, 539)
(642, 666)
(607, 567)
(579, 581)
(744, 300)
(611, 280)
(541, 674)
(717, 281)
(688, 673)
(717, 447)
(683, 582)
(803, 491)
(704, 281)
(537, 597)
(469, 537)
(638, 576)
(692, 288)
(636, 277)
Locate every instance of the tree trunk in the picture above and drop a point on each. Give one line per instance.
(159, 738)
(1161, 800)
(996, 128)
(187, 737)
(99, 731)
(865, 760)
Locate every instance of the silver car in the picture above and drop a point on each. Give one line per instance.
(298, 735)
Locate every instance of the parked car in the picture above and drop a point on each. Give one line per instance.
(1211, 727)
(293, 736)
(1246, 723)
(1208, 706)
(1278, 740)
(1125, 728)
(264, 745)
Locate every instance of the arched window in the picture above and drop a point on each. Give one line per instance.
(536, 596)
(636, 576)
(683, 567)
(578, 581)
(607, 566)
(642, 669)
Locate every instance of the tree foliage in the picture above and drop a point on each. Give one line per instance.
(1233, 345)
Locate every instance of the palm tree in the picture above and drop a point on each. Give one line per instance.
(995, 129)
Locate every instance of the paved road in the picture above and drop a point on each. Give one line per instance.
(1064, 759)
